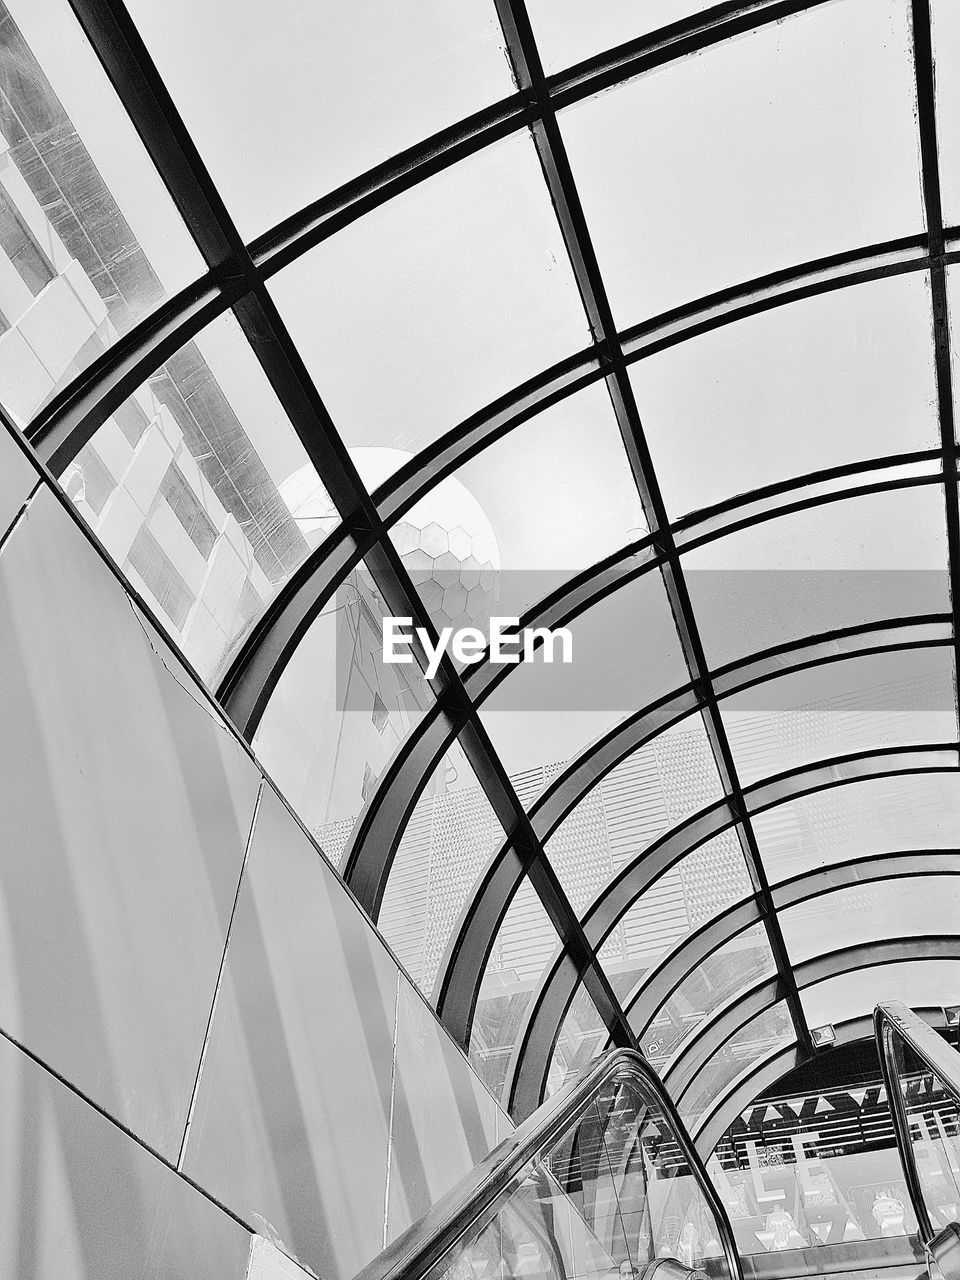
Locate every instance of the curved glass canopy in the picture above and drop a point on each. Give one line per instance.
(641, 326)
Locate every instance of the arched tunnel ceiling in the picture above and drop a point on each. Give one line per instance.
(641, 326)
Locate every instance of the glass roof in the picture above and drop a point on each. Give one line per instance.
(374, 312)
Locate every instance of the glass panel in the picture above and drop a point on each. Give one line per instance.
(625, 653)
(523, 946)
(819, 1168)
(653, 790)
(933, 1123)
(92, 241)
(610, 1196)
(782, 146)
(918, 983)
(17, 479)
(583, 1034)
(341, 88)
(549, 499)
(819, 383)
(447, 842)
(338, 714)
(306, 981)
(953, 276)
(443, 1119)
(200, 490)
(836, 565)
(871, 913)
(427, 309)
(860, 704)
(946, 55)
(880, 815)
(695, 890)
(450, 550)
(82, 1201)
(730, 970)
(134, 803)
(568, 33)
(758, 1040)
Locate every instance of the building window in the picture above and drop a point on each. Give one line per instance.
(185, 505)
(380, 714)
(96, 482)
(132, 421)
(160, 578)
(251, 603)
(368, 784)
(17, 242)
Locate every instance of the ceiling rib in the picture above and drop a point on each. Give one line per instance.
(535, 1044)
(236, 279)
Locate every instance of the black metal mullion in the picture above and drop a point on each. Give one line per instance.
(237, 278)
(531, 82)
(726, 766)
(143, 93)
(141, 89)
(563, 190)
(120, 48)
(930, 170)
(539, 871)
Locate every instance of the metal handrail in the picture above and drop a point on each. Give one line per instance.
(422, 1251)
(893, 1020)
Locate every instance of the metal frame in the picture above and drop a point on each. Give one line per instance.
(423, 1251)
(557, 987)
(895, 1023)
(714, 1123)
(236, 282)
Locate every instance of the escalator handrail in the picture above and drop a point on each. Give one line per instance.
(892, 1019)
(422, 1250)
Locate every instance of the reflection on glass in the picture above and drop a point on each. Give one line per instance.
(626, 654)
(728, 972)
(752, 1044)
(818, 1168)
(859, 704)
(933, 1123)
(833, 379)
(447, 841)
(839, 564)
(871, 913)
(558, 493)
(918, 983)
(17, 479)
(343, 87)
(548, 500)
(611, 1196)
(878, 815)
(338, 714)
(583, 1034)
(653, 790)
(521, 950)
(443, 1120)
(200, 490)
(692, 892)
(90, 241)
(401, 317)
(733, 147)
